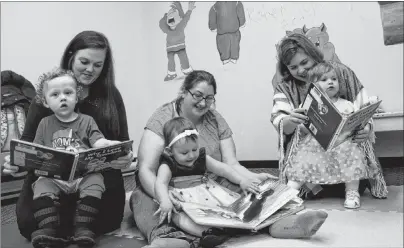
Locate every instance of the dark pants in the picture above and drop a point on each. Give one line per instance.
(228, 45)
(109, 218)
(182, 55)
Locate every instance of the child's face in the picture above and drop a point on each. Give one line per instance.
(173, 18)
(329, 83)
(61, 96)
(185, 152)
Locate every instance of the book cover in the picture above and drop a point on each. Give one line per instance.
(327, 123)
(211, 205)
(61, 164)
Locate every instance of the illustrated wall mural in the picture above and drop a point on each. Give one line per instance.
(173, 24)
(319, 36)
(226, 18)
(392, 22)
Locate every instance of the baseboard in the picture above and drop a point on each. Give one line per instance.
(386, 162)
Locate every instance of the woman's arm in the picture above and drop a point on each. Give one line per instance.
(228, 149)
(223, 170)
(284, 111)
(161, 185)
(226, 171)
(123, 122)
(150, 148)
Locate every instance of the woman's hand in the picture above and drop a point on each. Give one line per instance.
(362, 134)
(250, 185)
(165, 210)
(122, 162)
(295, 117)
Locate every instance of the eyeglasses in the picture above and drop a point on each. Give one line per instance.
(199, 97)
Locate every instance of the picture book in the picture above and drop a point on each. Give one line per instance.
(62, 164)
(327, 124)
(211, 204)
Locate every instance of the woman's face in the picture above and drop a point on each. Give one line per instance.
(300, 64)
(87, 64)
(195, 107)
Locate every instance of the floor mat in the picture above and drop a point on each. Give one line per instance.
(378, 223)
(341, 229)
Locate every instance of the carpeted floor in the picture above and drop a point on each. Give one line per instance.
(378, 223)
(393, 176)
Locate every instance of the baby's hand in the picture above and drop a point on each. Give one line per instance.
(250, 185)
(165, 210)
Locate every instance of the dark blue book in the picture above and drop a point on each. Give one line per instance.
(326, 123)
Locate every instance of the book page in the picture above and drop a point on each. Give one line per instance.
(97, 159)
(256, 211)
(360, 117)
(44, 161)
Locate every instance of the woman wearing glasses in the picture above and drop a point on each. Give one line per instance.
(194, 102)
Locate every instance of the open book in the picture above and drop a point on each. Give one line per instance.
(327, 124)
(210, 204)
(64, 165)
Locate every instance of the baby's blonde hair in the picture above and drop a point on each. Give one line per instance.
(48, 76)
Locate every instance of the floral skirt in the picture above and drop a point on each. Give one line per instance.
(309, 162)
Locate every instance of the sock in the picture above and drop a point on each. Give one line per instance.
(45, 213)
(168, 243)
(87, 211)
(297, 226)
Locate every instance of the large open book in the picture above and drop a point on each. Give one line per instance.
(210, 204)
(327, 124)
(64, 165)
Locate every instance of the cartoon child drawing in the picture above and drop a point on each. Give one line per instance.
(173, 24)
(227, 18)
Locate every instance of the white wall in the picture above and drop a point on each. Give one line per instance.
(34, 35)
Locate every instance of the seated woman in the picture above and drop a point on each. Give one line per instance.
(89, 56)
(195, 101)
(297, 56)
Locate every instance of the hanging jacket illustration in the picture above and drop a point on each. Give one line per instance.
(227, 18)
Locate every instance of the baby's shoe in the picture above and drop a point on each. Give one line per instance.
(170, 77)
(352, 199)
(47, 237)
(84, 237)
(213, 237)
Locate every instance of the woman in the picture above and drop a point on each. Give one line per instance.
(297, 55)
(195, 103)
(89, 56)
